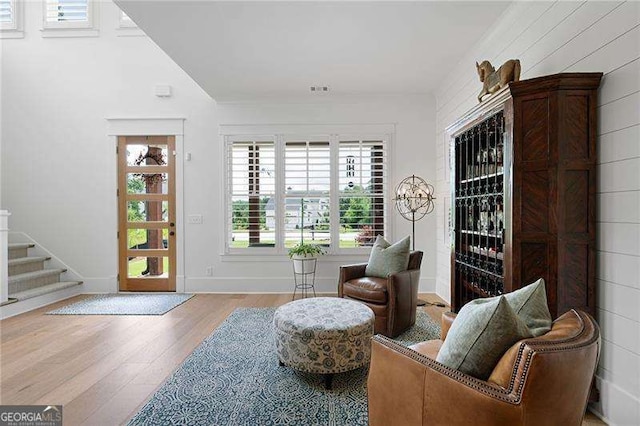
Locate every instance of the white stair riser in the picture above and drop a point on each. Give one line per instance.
(23, 268)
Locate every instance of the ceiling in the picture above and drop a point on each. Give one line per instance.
(249, 50)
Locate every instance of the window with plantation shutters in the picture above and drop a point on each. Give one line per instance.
(307, 181)
(6, 12)
(361, 185)
(68, 13)
(251, 207)
(326, 190)
(10, 19)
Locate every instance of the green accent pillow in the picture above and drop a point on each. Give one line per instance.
(387, 259)
(530, 304)
(482, 332)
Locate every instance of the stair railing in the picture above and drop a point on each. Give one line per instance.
(4, 256)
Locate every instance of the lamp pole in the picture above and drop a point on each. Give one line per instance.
(414, 195)
(413, 230)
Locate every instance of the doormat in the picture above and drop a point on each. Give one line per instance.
(124, 304)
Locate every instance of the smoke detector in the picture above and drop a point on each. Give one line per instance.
(319, 89)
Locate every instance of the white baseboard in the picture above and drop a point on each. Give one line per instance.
(100, 285)
(23, 306)
(616, 407)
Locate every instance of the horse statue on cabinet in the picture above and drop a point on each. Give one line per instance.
(495, 80)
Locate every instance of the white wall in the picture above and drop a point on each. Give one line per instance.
(59, 165)
(571, 37)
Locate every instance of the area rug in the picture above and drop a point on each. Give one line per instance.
(124, 304)
(233, 378)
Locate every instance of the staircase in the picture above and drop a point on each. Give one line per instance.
(28, 276)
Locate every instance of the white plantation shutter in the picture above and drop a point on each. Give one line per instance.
(251, 210)
(7, 12)
(68, 13)
(362, 187)
(307, 182)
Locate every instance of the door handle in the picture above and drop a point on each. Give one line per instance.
(172, 233)
(172, 224)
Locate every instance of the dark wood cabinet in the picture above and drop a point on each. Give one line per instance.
(523, 188)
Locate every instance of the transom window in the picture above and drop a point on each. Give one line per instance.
(7, 12)
(68, 13)
(10, 18)
(328, 190)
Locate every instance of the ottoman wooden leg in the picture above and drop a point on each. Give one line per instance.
(328, 379)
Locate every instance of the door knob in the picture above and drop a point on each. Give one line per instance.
(172, 233)
(172, 224)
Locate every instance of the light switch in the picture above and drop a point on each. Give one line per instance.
(195, 219)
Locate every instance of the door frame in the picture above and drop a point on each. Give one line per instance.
(151, 127)
(150, 283)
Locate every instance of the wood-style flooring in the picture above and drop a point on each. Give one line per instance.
(103, 368)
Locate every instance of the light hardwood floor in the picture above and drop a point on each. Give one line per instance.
(102, 368)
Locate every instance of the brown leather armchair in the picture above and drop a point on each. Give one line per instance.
(393, 299)
(539, 381)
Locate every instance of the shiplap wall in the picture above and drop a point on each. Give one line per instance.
(553, 37)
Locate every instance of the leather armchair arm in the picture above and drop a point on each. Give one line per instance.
(431, 393)
(350, 272)
(403, 297)
(402, 284)
(446, 321)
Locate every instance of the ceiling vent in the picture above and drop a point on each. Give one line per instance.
(319, 89)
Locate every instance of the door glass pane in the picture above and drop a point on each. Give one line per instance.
(147, 239)
(148, 211)
(148, 267)
(147, 183)
(153, 154)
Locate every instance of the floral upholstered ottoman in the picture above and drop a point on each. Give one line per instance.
(324, 335)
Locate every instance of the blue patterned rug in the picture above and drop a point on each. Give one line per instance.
(124, 304)
(233, 378)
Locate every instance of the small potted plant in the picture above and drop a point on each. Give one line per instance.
(302, 255)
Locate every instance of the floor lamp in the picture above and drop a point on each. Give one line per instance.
(414, 200)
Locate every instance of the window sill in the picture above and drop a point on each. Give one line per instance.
(69, 32)
(283, 258)
(11, 34)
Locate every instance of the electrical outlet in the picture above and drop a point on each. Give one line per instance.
(195, 219)
(209, 271)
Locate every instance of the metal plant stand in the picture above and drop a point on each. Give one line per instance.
(304, 276)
